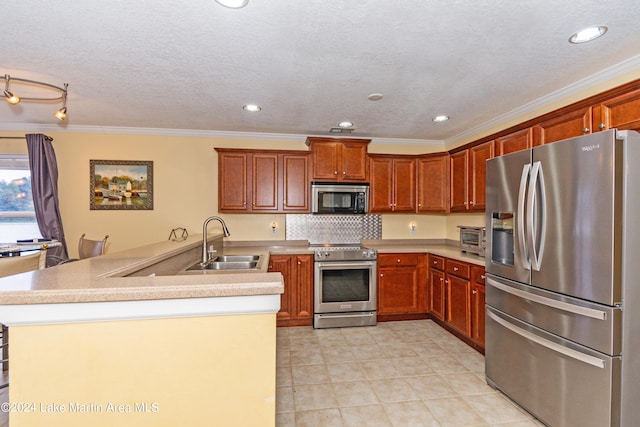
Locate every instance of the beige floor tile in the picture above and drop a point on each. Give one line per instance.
(309, 374)
(495, 408)
(283, 376)
(313, 396)
(319, 418)
(393, 390)
(301, 331)
(410, 414)
(431, 386)
(379, 369)
(444, 364)
(311, 356)
(359, 339)
(284, 399)
(337, 354)
(331, 341)
(454, 346)
(283, 358)
(412, 366)
(354, 393)
(302, 343)
(368, 352)
(361, 416)
(341, 372)
(286, 419)
(401, 349)
(412, 335)
(453, 412)
(472, 361)
(519, 424)
(467, 383)
(428, 349)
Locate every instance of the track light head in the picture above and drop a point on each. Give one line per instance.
(11, 98)
(61, 113)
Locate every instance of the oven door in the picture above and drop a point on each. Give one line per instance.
(345, 286)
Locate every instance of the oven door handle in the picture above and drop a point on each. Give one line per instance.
(345, 264)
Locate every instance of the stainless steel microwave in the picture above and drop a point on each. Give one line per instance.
(337, 198)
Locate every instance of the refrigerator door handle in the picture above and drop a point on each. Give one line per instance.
(536, 255)
(585, 358)
(522, 242)
(560, 305)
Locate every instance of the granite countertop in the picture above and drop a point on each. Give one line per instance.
(102, 279)
(111, 277)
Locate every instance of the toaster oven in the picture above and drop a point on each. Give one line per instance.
(472, 239)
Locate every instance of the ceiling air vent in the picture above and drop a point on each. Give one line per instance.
(340, 130)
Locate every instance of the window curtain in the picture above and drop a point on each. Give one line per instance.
(44, 186)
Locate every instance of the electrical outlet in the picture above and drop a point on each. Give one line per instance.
(274, 228)
(412, 228)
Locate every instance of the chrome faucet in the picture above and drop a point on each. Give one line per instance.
(205, 254)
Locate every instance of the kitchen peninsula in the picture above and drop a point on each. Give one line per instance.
(92, 343)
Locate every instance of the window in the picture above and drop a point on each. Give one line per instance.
(17, 217)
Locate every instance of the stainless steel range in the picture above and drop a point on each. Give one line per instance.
(344, 286)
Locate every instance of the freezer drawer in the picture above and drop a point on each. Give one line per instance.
(593, 325)
(561, 383)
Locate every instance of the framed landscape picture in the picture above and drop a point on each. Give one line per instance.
(121, 184)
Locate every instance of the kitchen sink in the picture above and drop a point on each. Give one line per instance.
(229, 262)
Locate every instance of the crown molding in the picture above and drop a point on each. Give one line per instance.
(604, 76)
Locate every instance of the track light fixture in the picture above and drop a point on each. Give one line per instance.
(13, 99)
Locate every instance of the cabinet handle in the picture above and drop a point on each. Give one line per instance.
(299, 263)
(335, 172)
(441, 279)
(473, 292)
(586, 130)
(465, 203)
(472, 202)
(398, 260)
(344, 172)
(455, 268)
(435, 262)
(602, 126)
(419, 205)
(482, 276)
(381, 274)
(271, 266)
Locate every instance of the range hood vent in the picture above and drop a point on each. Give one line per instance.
(340, 130)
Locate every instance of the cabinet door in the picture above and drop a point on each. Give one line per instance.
(622, 112)
(458, 304)
(402, 284)
(478, 157)
(265, 182)
(433, 184)
(436, 293)
(232, 181)
(353, 162)
(477, 313)
(295, 183)
(284, 264)
(325, 161)
(516, 141)
(303, 306)
(404, 185)
(459, 180)
(381, 186)
(565, 125)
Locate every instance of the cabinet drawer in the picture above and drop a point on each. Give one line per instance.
(390, 260)
(477, 274)
(436, 262)
(458, 268)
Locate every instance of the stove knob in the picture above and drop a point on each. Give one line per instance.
(326, 254)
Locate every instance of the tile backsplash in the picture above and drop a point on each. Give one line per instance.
(335, 229)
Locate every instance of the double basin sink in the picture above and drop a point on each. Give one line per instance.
(229, 262)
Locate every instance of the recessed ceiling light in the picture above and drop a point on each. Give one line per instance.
(441, 118)
(233, 4)
(375, 97)
(252, 107)
(345, 124)
(588, 34)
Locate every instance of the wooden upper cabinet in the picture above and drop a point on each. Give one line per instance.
(566, 124)
(296, 189)
(478, 157)
(393, 184)
(264, 182)
(339, 159)
(433, 183)
(468, 169)
(621, 112)
(233, 170)
(459, 180)
(256, 181)
(516, 141)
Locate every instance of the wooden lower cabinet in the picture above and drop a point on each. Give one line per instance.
(457, 298)
(296, 303)
(402, 286)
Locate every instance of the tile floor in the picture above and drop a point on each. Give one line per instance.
(411, 373)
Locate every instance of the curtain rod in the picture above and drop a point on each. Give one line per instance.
(13, 137)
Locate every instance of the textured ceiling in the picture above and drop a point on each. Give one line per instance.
(310, 64)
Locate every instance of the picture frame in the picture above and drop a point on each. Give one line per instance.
(120, 185)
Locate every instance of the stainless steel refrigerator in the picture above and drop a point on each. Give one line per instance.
(563, 279)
